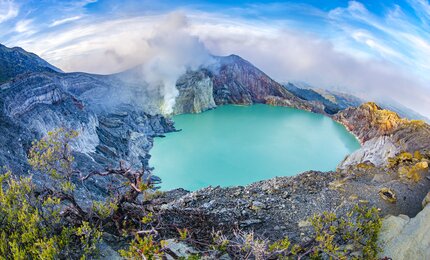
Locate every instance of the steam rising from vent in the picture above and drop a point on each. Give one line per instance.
(173, 51)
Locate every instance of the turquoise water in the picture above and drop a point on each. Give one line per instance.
(238, 145)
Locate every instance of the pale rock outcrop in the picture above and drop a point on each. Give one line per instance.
(177, 249)
(406, 238)
(377, 151)
(195, 93)
(426, 200)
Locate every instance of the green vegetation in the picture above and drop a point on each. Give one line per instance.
(350, 236)
(32, 226)
(143, 248)
(414, 172)
(48, 222)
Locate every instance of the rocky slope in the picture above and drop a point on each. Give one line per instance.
(383, 134)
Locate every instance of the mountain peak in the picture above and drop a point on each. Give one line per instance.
(15, 61)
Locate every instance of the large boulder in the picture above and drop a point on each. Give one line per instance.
(406, 238)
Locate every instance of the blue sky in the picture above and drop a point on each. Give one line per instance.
(365, 47)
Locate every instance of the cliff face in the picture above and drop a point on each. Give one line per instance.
(382, 133)
(33, 104)
(195, 93)
(236, 81)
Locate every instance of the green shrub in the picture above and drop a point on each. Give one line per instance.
(31, 226)
(353, 236)
(143, 248)
(53, 156)
(340, 236)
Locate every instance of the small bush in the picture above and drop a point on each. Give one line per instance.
(353, 236)
(143, 248)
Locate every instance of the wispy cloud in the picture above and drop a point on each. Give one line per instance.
(8, 10)
(348, 47)
(395, 37)
(65, 20)
(83, 3)
(23, 26)
(422, 9)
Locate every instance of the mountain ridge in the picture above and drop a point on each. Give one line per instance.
(15, 61)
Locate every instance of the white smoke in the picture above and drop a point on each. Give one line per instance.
(168, 45)
(173, 51)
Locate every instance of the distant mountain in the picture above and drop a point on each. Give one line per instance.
(330, 105)
(402, 110)
(334, 101)
(16, 61)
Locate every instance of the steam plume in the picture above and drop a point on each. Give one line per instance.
(172, 52)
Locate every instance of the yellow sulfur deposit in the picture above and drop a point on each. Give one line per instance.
(385, 119)
(414, 172)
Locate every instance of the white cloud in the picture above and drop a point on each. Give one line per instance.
(292, 55)
(83, 3)
(23, 26)
(8, 10)
(65, 20)
(395, 37)
(391, 62)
